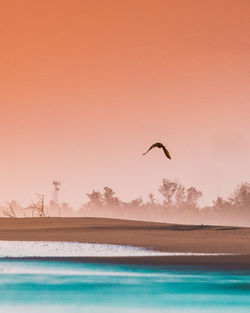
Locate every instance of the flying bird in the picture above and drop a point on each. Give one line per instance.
(159, 145)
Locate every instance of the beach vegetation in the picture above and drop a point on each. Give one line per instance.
(176, 204)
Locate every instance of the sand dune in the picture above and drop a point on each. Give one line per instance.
(158, 236)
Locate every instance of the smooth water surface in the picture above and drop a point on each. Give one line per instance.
(60, 286)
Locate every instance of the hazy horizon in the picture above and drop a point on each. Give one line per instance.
(139, 195)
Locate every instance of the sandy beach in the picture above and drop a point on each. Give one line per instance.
(156, 236)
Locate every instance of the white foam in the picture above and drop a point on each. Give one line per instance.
(77, 249)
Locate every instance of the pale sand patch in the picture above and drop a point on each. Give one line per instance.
(76, 249)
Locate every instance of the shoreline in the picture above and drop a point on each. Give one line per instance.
(177, 238)
(237, 263)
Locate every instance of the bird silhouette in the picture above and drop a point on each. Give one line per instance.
(159, 145)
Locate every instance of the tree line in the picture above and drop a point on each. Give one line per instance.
(178, 205)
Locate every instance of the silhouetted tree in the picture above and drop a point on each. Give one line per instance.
(38, 207)
(9, 211)
(180, 196)
(95, 200)
(241, 196)
(109, 198)
(192, 196)
(168, 189)
(152, 201)
(220, 204)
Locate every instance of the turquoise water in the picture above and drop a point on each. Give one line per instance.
(57, 286)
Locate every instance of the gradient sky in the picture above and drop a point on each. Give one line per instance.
(87, 86)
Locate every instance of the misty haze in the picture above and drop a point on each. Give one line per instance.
(178, 205)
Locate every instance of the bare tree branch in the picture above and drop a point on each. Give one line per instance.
(9, 212)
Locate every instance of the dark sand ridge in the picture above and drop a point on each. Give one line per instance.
(159, 236)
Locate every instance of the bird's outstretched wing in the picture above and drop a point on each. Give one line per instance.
(153, 146)
(166, 152)
(159, 145)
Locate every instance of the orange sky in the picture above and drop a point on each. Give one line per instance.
(87, 86)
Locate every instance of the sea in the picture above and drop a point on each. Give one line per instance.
(56, 285)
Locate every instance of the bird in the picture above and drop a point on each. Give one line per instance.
(159, 145)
